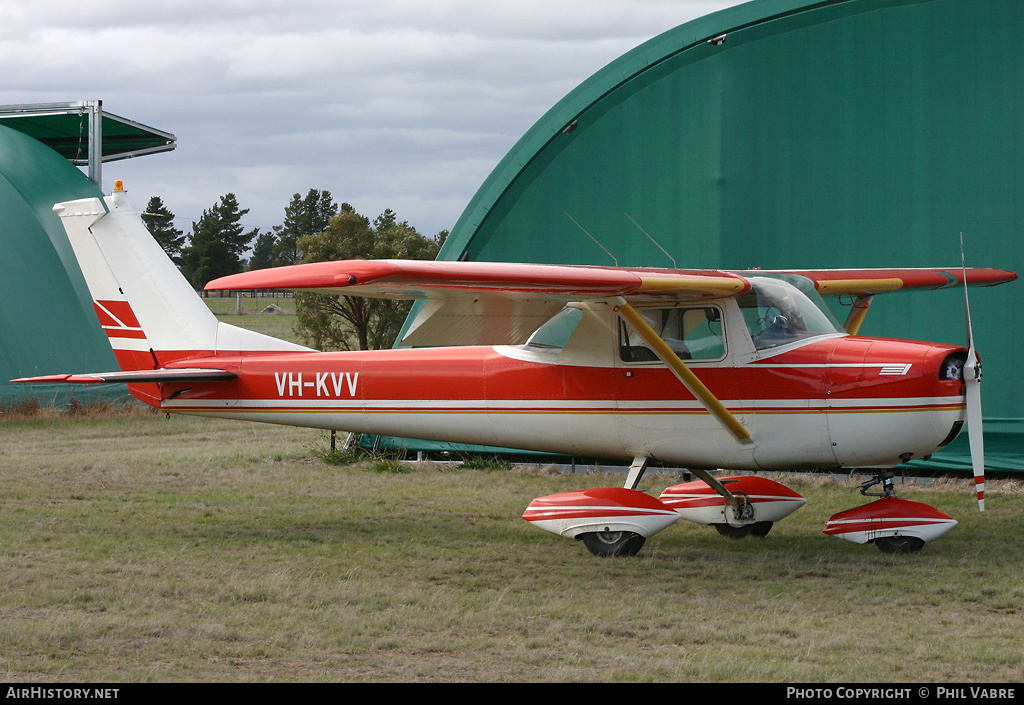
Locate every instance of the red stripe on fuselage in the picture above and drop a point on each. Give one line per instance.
(476, 374)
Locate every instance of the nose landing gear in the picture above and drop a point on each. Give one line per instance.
(894, 525)
(883, 478)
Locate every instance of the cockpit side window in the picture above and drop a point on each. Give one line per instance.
(692, 333)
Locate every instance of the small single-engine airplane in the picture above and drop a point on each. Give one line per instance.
(700, 369)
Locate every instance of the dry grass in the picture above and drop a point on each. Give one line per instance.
(134, 548)
(32, 408)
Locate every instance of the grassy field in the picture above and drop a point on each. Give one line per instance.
(137, 548)
(253, 314)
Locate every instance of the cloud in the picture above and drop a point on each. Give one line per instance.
(399, 104)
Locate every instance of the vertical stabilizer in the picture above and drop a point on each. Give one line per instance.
(149, 311)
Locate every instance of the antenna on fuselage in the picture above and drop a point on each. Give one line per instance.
(674, 265)
(592, 238)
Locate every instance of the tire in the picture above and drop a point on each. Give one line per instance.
(899, 544)
(612, 543)
(759, 529)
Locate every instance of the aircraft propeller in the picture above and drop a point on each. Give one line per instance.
(972, 386)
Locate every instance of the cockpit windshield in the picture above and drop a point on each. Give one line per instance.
(777, 312)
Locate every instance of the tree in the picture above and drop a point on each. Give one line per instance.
(263, 251)
(330, 321)
(302, 216)
(217, 243)
(160, 223)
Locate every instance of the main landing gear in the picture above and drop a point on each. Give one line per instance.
(616, 521)
(738, 507)
(759, 529)
(612, 543)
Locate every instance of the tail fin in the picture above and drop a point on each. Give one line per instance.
(150, 312)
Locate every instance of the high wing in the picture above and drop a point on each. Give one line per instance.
(866, 282)
(485, 302)
(422, 279)
(863, 284)
(498, 302)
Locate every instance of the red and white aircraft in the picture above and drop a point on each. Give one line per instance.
(698, 369)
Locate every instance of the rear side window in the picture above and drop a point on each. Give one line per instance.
(692, 333)
(555, 333)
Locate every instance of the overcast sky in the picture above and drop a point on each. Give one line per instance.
(401, 104)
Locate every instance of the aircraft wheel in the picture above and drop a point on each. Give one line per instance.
(613, 543)
(758, 528)
(899, 544)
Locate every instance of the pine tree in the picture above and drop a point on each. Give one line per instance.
(263, 251)
(302, 216)
(217, 243)
(160, 223)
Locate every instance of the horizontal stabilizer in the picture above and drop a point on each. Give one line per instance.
(164, 375)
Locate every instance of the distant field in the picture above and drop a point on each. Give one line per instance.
(254, 316)
(138, 548)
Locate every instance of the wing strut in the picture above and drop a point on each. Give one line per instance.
(682, 372)
(858, 312)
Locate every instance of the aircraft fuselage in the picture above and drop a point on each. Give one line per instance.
(840, 401)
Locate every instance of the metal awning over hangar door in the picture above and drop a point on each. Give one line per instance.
(85, 134)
